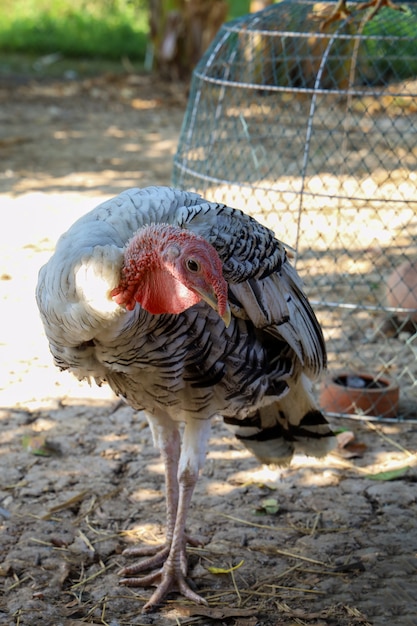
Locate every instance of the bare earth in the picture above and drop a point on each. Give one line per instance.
(319, 543)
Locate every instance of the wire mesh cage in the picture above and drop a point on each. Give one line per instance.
(310, 125)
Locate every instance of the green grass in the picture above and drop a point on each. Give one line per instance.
(109, 29)
(106, 29)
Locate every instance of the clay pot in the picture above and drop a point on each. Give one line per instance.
(348, 393)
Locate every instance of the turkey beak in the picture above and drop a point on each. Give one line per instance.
(210, 298)
(227, 315)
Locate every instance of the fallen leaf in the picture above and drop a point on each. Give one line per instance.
(344, 438)
(347, 447)
(40, 446)
(268, 506)
(221, 613)
(220, 570)
(389, 474)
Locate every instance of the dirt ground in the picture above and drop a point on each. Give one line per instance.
(320, 543)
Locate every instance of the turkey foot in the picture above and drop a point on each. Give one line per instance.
(157, 554)
(169, 578)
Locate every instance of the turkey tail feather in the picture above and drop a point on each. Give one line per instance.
(289, 425)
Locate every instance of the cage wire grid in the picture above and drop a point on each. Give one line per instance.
(312, 130)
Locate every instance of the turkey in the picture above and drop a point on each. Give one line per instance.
(188, 309)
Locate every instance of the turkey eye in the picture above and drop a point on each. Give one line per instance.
(193, 265)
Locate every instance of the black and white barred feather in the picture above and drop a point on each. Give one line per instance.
(256, 373)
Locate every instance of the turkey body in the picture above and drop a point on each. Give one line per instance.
(255, 371)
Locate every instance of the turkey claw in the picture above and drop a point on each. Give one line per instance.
(156, 557)
(167, 579)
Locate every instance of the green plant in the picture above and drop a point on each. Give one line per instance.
(102, 28)
(394, 50)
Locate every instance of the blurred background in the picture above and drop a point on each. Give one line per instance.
(78, 37)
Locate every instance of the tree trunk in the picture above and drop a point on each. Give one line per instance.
(180, 31)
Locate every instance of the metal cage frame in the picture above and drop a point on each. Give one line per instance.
(349, 129)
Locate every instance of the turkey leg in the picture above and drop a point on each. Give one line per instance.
(182, 466)
(170, 448)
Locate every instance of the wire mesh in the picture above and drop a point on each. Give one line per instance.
(312, 129)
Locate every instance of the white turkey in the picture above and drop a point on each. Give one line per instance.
(188, 309)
